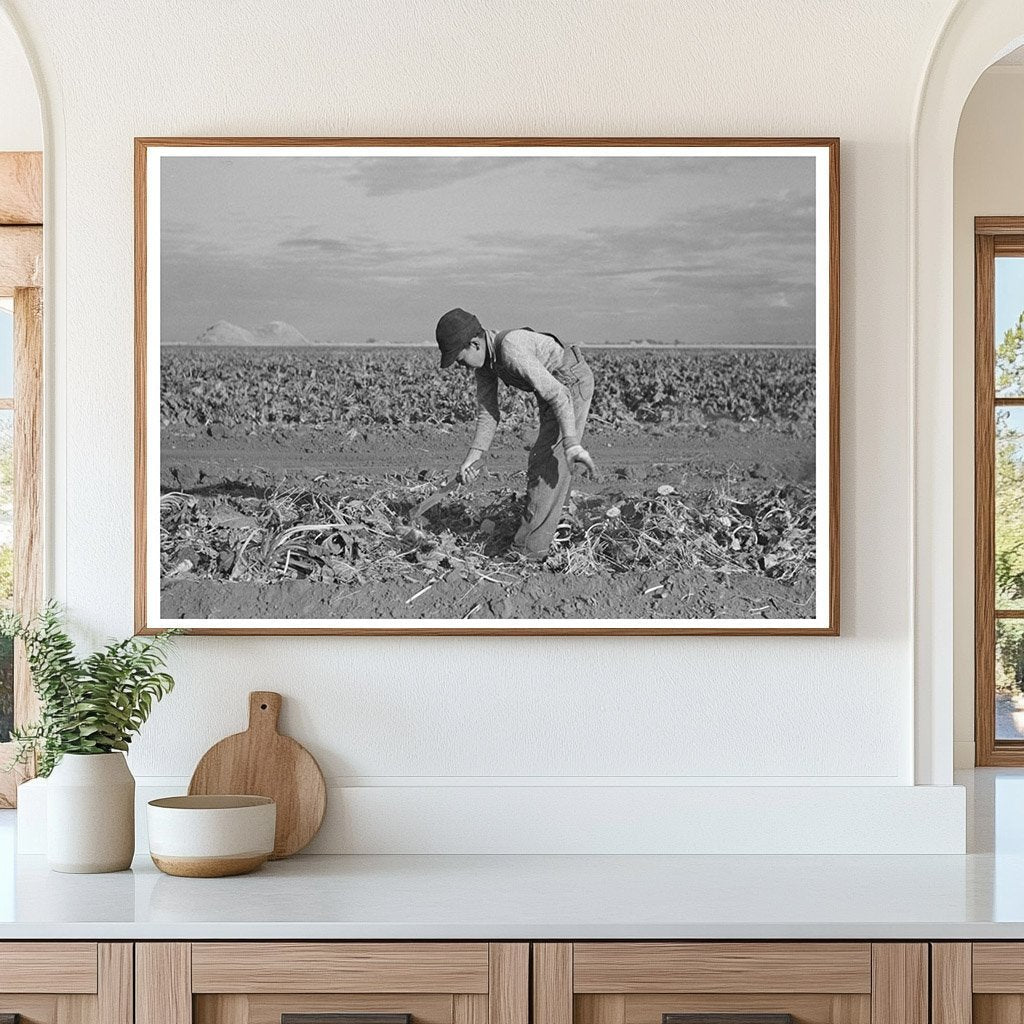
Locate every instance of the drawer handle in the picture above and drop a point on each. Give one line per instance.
(727, 1018)
(339, 1018)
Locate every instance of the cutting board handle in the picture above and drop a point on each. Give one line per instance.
(264, 710)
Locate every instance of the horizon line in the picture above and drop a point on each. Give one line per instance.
(431, 345)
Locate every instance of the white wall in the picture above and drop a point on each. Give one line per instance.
(449, 713)
(987, 182)
(21, 127)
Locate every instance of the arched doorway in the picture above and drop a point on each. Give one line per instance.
(976, 34)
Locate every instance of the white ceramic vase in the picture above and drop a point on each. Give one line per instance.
(90, 814)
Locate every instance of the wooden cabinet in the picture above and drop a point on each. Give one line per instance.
(978, 983)
(494, 983)
(66, 982)
(754, 982)
(308, 982)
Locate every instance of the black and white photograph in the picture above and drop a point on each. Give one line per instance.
(453, 386)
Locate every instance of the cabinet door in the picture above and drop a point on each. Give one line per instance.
(980, 982)
(66, 983)
(332, 983)
(730, 983)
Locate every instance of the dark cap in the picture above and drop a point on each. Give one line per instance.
(455, 330)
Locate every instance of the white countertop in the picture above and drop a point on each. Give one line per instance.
(517, 897)
(977, 896)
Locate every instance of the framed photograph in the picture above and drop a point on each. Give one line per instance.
(487, 386)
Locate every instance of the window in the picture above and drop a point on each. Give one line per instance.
(999, 490)
(6, 511)
(21, 366)
(20, 502)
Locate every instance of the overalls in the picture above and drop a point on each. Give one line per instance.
(548, 476)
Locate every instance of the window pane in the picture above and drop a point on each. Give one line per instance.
(1009, 324)
(6, 353)
(1009, 679)
(6, 564)
(1009, 540)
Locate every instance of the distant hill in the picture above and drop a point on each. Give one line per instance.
(278, 333)
(223, 333)
(274, 333)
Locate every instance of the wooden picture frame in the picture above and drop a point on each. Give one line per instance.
(152, 155)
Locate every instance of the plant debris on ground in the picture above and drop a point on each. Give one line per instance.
(324, 537)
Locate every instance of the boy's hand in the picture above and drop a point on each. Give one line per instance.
(578, 454)
(470, 468)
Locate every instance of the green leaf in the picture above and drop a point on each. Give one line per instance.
(90, 705)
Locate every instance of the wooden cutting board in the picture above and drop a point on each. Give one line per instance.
(262, 762)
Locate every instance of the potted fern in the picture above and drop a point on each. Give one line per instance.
(89, 710)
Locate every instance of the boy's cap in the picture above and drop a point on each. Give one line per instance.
(455, 330)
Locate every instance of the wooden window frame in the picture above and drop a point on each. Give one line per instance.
(21, 278)
(993, 236)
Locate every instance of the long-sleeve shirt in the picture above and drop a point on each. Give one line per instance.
(525, 360)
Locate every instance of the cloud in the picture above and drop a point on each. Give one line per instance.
(615, 172)
(322, 245)
(359, 256)
(398, 175)
(764, 239)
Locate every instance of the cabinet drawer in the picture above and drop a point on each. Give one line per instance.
(730, 983)
(340, 967)
(998, 967)
(332, 983)
(770, 982)
(633, 967)
(66, 982)
(65, 967)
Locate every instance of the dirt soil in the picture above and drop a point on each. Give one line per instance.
(691, 459)
(297, 456)
(546, 596)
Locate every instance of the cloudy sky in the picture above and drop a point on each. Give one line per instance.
(703, 250)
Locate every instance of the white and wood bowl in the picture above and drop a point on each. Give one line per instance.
(211, 836)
